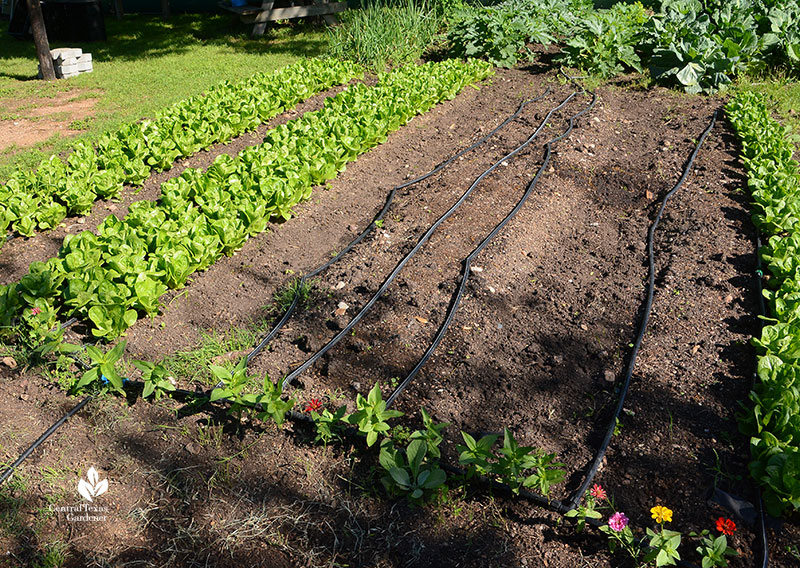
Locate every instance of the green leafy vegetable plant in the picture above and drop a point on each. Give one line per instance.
(773, 419)
(371, 415)
(103, 368)
(408, 471)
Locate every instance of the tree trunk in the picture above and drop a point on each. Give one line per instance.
(118, 9)
(165, 9)
(40, 39)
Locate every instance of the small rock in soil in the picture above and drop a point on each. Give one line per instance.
(609, 376)
(340, 285)
(9, 362)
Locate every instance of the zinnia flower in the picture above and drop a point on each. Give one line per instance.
(726, 526)
(661, 514)
(598, 492)
(36, 311)
(313, 405)
(618, 522)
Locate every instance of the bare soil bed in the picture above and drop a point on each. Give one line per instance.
(539, 345)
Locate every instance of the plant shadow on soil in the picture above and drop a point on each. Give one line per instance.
(682, 400)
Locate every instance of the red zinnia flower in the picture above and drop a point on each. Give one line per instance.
(36, 311)
(726, 526)
(313, 405)
(598, 492)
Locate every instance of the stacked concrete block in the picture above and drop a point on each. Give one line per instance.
(69, 62)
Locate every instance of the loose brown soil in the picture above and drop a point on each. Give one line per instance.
(539, 345)
(39, 119)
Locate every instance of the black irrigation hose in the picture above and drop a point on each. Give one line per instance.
(49, 432)
(762, 308)
(389, 199)
(7, 473)
(574, 501)
(468, 261)
(311, 360)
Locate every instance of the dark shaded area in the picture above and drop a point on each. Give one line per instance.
(551, 311)
(145, 36)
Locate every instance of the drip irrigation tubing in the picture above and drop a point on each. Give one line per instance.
(342, 333)
(601, 452)
(7, 473)
(388, 203)
(762, 308)
(551, 504)
(468, 261)
(556, 505)
(49, 432)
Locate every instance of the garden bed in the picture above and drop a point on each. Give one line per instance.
(536, 346)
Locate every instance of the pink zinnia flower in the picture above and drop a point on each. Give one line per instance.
(618, 522)
(598, 492)
(36, 311)
(313, 405)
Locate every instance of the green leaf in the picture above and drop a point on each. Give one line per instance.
(400, 477)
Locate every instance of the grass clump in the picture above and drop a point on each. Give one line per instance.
(384, 32)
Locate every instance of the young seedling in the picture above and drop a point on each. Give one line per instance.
(371, 415)
(410, 475)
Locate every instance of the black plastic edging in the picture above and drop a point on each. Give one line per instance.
(468, 261)
(311, 360)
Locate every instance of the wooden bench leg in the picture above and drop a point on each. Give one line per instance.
(262, 18)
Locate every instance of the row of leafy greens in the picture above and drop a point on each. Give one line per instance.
(41, 199)
(698, 45)
(113, 276)
(773, 422)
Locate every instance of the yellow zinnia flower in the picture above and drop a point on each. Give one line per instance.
(661, 514)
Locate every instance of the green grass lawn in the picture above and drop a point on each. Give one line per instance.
(785, 93)
(145, 65)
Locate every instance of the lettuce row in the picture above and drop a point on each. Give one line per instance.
(112, 277)
(41, 199)
(773, 422)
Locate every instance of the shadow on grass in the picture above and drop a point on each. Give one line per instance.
(147, 36)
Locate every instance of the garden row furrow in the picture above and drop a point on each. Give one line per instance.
(153, 376)
(43, 198)
(773, 422)
(420, 243)
(115, 275)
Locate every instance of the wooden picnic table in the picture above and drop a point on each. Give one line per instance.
(267, 12)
